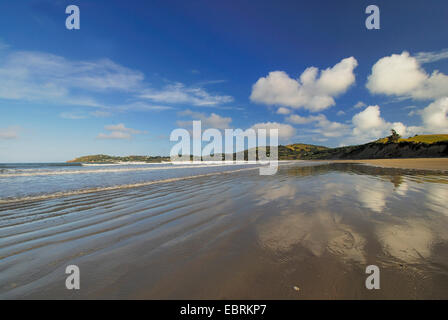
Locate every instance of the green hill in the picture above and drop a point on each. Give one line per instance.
(298, 151)
(102, 158)
(419, 146)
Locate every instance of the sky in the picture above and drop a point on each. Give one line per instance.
(136, 70)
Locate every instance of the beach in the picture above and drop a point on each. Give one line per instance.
(307, 232)
(440, 164)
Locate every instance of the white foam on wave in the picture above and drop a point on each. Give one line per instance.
(129, 163)
(180, 165)
(116, 187)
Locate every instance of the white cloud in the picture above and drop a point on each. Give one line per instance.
(402, 75)
(47, 78)
(435, 117)
(116, 135)
(340, 113)
(413, 113)
(178, 93)
(72, 115)
(369, 118)
(283, 110)
(78, 115)
(122, 128)
(368, 125)
(313, 91)
(100, 114)
(359, 105)
(331, 129)
(323, 126)
(9, 133)
(434, 87)
(296, 119)
(43, 77)
(396, 74)
(285, 131)
(428, 57)
(207, 121)
(142, 106)
(119, 131)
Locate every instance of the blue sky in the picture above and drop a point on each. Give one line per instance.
(136, 70)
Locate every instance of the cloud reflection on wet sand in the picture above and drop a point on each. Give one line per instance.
(239, 235)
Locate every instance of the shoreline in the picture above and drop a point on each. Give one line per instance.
(432, 164)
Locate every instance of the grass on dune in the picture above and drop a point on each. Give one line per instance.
(304, 147)
(423, 138)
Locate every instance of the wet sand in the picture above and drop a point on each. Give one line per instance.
(236, 236)
(439, 164)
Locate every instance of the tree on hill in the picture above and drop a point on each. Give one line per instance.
(394, 137)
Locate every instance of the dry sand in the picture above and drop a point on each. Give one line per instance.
(440, 164)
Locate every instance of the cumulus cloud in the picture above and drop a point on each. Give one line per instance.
(435, 117)
(435, 86)
(365, 126)
(212, 120)
(296, 119)
(315, 90)
(331, 129)
(178, 93)
(368, 124)
(283, 110)
(402, 75)
(119, 131)
(396, 74)
(367, 119)
(285, 131)
(9, 133)
(322, 126)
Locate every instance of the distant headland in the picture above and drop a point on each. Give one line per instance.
(418, 146)
(102, 158)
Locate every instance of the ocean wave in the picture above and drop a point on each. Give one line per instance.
(38, 165)
(116, 187)
(117, 164)
(42, 172)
